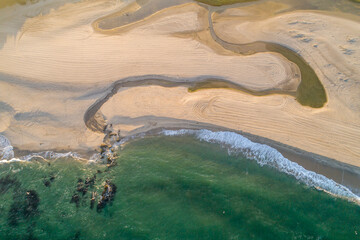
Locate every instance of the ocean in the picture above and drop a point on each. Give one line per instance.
(186, 184)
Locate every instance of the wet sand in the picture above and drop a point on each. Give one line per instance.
(97, 123)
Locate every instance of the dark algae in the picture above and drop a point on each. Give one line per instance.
(167, 188)
(14, 214)
(23, 212)
(8, 182)
(31, 204)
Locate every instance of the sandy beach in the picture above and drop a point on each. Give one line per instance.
(55, 66)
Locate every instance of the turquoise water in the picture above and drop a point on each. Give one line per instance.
(168, 188)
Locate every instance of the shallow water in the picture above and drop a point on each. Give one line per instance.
(169, 188)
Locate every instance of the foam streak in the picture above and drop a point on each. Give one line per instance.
(266, 155)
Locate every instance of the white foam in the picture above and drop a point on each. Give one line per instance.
(6, 150)
(11, 160)
(235, 143)
(50, 155)
(7, 153)
(266, 155)
(47, 155)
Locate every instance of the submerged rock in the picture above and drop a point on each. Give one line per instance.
(47, 183)
(89, 182)
(92, 201)
(52, 178)
(107, 195)
(77, 235)
(108, 148)
(81, 187)
(75, 199)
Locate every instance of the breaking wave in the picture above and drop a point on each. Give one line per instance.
(6, 150)
(266, 155)
(7, 154)
(46, 155)
(233, 142)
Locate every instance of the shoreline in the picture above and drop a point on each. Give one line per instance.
(342, 173)
(292, 153)
(328, 167)
(44, 118)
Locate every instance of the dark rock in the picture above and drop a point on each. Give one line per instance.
(92, 201)
(77, 236)
(107, 195)
(89, 182)
(47, 183)
(75, 199)
(81, 187)
(52, 178)
(31, 237)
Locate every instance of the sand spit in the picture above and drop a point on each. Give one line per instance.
(275, 117)
(57, 67)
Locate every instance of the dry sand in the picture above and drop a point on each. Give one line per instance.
(78, 54)
(56, 66)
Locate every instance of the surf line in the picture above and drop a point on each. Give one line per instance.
(265, 155)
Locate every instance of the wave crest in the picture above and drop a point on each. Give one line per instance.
(266, 155)
(7, 154)
(6, 150)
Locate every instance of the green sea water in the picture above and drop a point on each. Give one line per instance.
(168, 188)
